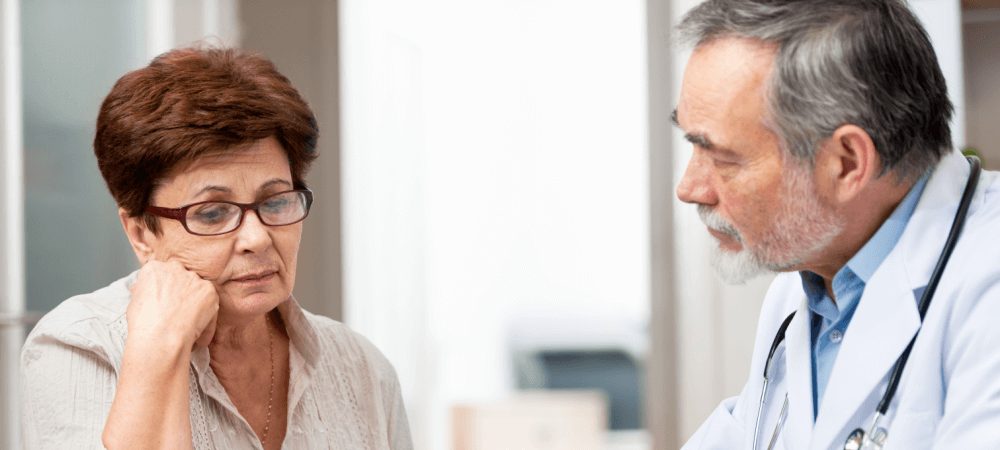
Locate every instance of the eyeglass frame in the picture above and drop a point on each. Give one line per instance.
(180, 214)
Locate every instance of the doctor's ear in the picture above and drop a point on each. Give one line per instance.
(847, 162)
(139, 235)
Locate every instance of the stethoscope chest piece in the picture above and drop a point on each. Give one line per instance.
(856, 440)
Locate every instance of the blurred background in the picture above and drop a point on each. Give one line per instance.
(494, 197)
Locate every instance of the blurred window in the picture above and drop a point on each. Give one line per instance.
(72, 54)
(612, 371)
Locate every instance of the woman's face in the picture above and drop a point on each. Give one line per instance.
(253, 267)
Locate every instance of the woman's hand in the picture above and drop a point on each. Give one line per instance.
(171, 304)
(172, 310)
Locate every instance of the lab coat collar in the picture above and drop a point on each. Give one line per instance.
(886, 318)
(882, 327)
(799, 423)
(921, 246)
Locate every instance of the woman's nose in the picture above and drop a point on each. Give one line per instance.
(253, 236)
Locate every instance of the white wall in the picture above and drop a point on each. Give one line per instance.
(494, 160)
(943, 21)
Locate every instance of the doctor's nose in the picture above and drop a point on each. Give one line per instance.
(695, 186)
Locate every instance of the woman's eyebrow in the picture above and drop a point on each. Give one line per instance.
(273, 182)
(212, 188)
(227, 190)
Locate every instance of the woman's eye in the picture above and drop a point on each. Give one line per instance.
(276, 203)
(211, 213)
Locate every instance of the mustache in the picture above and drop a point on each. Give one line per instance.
(714, 221)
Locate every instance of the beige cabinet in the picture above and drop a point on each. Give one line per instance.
(981, 60)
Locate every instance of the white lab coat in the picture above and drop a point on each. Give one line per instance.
(949, 395)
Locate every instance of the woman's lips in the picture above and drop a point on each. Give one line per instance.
(254, 279)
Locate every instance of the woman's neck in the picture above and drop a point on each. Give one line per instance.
(235, 336)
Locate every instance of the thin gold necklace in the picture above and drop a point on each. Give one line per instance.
(270, 398)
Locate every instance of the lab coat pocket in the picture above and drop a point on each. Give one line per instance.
(912, 431)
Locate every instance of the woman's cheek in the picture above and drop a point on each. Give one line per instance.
(207, 261)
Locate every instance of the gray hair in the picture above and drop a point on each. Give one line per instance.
(867, 63)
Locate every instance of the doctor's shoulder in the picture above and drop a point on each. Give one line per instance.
(967, 302)
(962, 326)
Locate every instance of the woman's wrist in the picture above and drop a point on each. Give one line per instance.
(151, 400)
(163, 349)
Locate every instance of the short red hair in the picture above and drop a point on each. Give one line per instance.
(189, 103)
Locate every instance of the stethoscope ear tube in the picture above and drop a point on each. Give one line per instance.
(925, 299)
(780, 336)
(777, 341)
(956, 230)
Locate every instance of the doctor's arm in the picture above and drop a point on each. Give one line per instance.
(724, 429)
(971, 369)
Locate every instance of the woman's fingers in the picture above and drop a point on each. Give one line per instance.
(168, 300)
(208, 333)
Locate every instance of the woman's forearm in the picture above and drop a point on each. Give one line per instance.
(171, 310)
(151, 406)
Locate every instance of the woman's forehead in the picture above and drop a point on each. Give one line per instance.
(254, 167)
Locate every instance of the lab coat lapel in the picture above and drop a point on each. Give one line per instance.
(882, 327)
(887, 318)
(799, 424)
(921, 245)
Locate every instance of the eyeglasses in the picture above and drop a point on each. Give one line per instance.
(216, 217)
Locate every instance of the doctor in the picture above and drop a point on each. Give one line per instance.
(822, 150)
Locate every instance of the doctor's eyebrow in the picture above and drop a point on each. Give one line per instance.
(698, 139)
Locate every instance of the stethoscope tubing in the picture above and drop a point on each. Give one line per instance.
(956, 229)
(925, 300)
(780, 336)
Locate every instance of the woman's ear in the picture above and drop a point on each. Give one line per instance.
(138, 235)
(850, 162)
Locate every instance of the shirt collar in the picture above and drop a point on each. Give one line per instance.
(864, 263)
(301, 332)
(870, 257)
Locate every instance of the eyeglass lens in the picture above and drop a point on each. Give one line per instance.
(222, 217)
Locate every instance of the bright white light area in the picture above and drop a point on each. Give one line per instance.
(494, 170)
(11, 219)
(159, 27)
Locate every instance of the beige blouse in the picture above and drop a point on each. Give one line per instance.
(343, 393)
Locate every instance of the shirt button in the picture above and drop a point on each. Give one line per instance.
(836, 336)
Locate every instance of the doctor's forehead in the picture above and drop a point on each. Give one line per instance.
(722, 102)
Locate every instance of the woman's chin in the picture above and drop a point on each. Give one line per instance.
(251, 303)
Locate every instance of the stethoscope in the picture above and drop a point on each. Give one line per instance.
(876, 436)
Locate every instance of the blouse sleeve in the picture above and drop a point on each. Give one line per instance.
(396, 421)
(66, 394)
(384, 378)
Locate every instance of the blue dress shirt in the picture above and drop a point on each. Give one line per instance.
(829, 319)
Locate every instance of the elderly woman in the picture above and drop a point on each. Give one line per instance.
(205, 152)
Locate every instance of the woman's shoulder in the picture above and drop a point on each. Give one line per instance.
(339, 344)
(92, 322)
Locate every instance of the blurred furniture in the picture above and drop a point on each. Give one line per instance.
(584, 353)
(542, 420)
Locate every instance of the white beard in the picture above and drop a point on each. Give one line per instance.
(804, 225)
